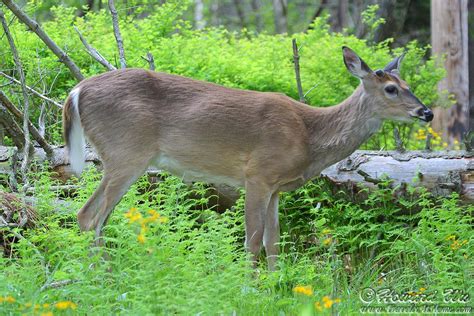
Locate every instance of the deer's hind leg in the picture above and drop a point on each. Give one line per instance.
(119, 175)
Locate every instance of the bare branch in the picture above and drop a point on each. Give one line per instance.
(12, 127)
(26, 102)
(34, 132)
(150, 60)
(398, 140)
(94, 53)
(33, 91)
(118, 36)
(35, 27)
(57, 284)
(296, 60)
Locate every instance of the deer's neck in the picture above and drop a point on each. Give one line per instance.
(337, 131)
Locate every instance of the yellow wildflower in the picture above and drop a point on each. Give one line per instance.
(305, 290)
(327, 241)
(445, 144)
(65, 305)
(451, 237)
(328, 304)
(133, 215)
(422, 289)
(45, 305)
(9, 299)
(317, 305)
(154, 215)
(326, 231)
(47, 314)
(141, 238)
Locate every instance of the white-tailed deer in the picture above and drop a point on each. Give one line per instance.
(265, 142)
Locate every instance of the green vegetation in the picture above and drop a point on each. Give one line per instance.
(184, 258)
(168, 251)
(236, 59)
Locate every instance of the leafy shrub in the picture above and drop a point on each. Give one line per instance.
(243, 60)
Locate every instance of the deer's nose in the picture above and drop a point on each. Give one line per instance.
(428, 114)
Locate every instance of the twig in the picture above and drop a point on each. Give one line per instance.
(94, 53)
(428, 142)
(150, 60)
(312, 88)
(26, 106)
(33, 91)
(33, 247)
(34, 132)
(367, 177)
(35, 27)
(57, 284)
(398, 141)
(296, 60)
(118, 36)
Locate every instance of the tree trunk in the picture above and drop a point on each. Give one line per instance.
(394, 13)
(449, 37)
(280, 16)
(199, 15)
(257, 15)
(470, 138)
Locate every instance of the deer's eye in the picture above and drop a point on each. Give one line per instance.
(391, 89)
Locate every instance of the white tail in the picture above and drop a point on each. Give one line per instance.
(76, 142)
(265, 142)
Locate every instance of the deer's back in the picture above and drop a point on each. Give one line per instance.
(198, 124)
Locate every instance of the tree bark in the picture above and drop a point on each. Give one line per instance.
(470, 136)
(118, 35)
(449, 37)
(257, 15)
(394, 13)
(280, 16)
(199, 22)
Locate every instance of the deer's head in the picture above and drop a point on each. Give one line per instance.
(392, 97)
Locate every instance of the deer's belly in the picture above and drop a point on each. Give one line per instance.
(191, 173)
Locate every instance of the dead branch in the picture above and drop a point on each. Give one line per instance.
(398, 140)
(150, 60)
(94, 53)
(26, 105)
(34, 132)
(118, 36)
(35, 27)
(57, 284)
(12, 128)
(33, 91)
(296, 60)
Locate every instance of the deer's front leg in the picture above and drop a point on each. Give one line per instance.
(257, 199)
(271, 233)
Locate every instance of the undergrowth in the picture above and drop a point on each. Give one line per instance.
(169, 253)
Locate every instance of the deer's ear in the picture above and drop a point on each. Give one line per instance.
(394, 65)
(354, 63)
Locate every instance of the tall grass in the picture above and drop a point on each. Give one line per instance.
(168, 253)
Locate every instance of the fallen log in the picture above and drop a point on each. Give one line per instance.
(440, 172)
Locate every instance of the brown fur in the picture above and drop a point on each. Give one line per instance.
(266, 142)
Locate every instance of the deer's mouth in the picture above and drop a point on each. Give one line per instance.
(424, 114)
